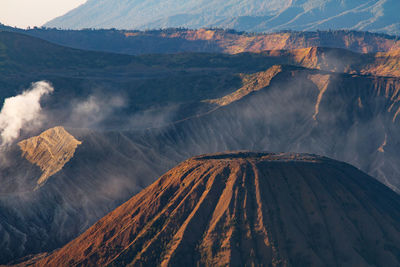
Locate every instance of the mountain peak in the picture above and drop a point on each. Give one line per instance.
(254, 15)
(247, 208)
(260, 156)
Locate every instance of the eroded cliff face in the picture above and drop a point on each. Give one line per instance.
(340, 60)
(211, 40)
(385, 64)
(51, 150)
(233, 43)
(247, 208)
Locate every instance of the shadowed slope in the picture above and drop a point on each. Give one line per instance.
(247, 208)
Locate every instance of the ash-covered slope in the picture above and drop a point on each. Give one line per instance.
(247, 208)
(254, 15)
(351, 118)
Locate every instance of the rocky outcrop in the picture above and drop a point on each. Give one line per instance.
(245, 208)
(251, 83)
(51, 150)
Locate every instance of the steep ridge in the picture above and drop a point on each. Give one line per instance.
(251, 83)
(336, 60)
(25, 53)
(249, 15)
(245, 208)
(233, 43)
(210, 40)
(340, 60)
(51, 150)
(385, 63)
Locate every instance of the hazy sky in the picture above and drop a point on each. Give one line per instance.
(24, 13)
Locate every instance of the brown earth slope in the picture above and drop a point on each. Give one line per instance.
(340, 60)
(246, 208)
(233, 42)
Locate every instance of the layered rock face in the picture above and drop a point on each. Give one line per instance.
(245, 208)
(51, 150)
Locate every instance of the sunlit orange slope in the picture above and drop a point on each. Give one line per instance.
(247, 208)
(234, 42)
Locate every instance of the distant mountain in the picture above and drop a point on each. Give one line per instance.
(254, 15)
(247, 209)
(209, 40)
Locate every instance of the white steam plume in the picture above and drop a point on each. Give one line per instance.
(94, 110)
(22, 111)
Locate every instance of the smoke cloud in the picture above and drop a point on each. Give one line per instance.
(22, 111)
(92, 112)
